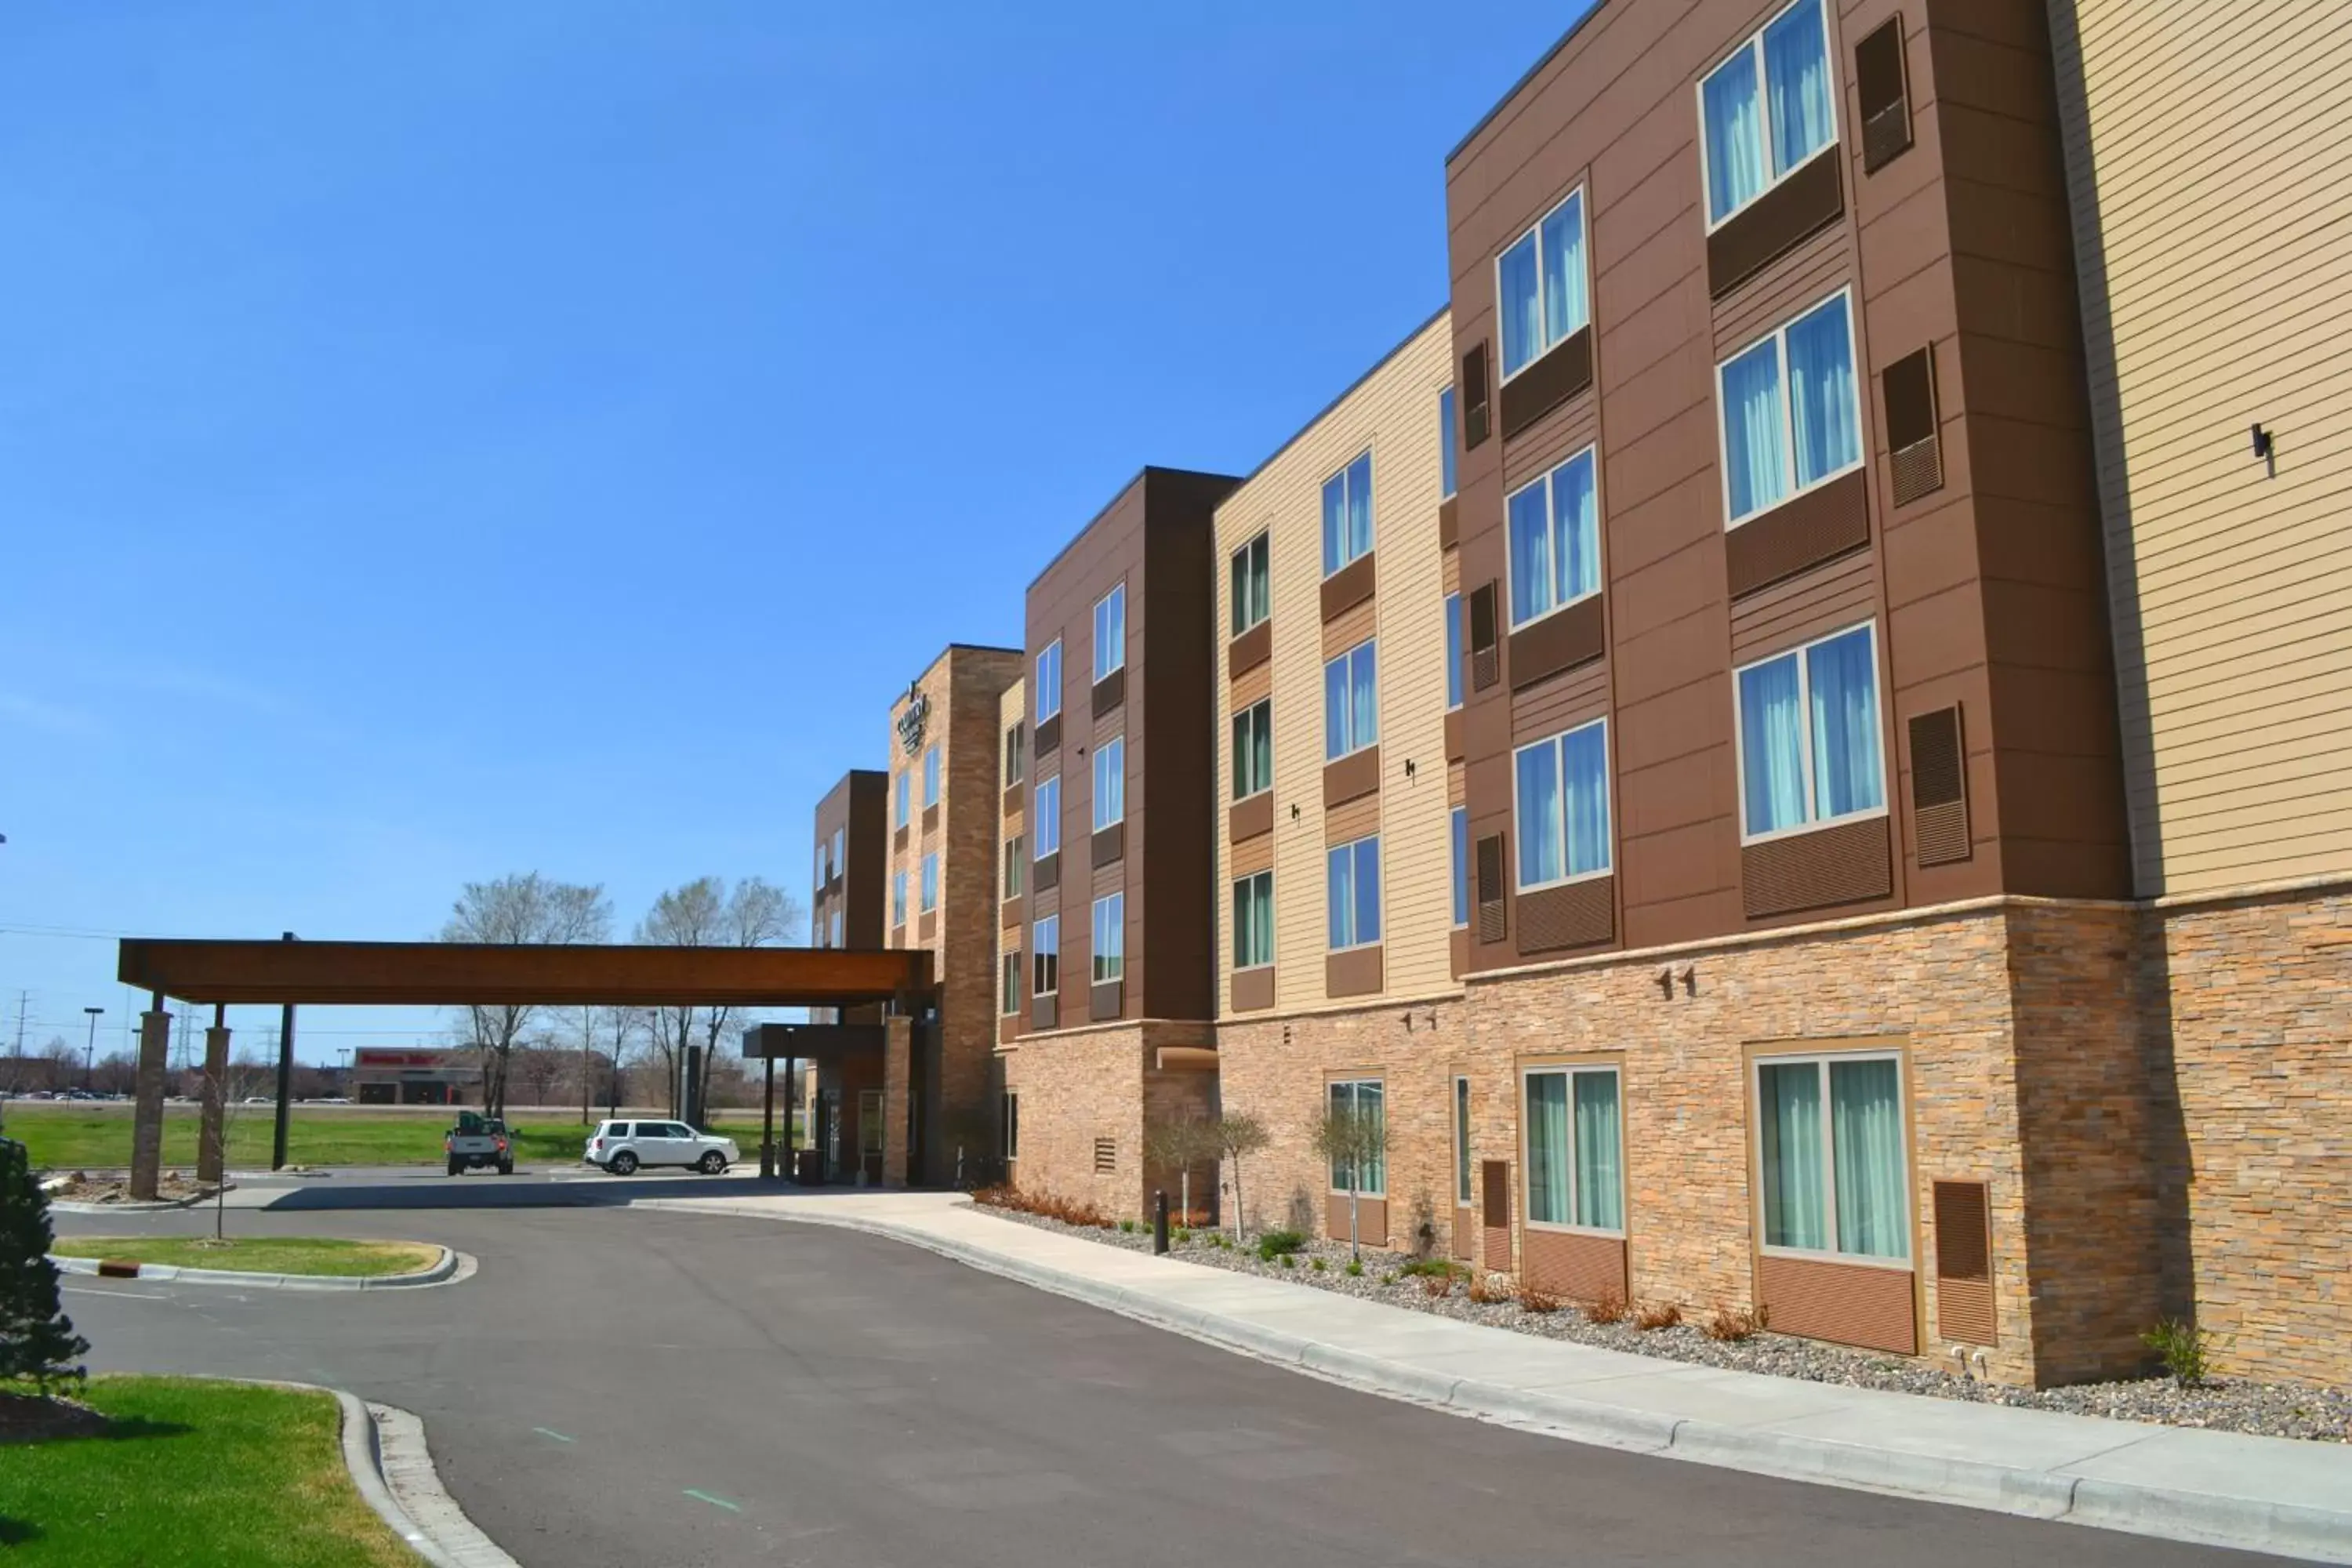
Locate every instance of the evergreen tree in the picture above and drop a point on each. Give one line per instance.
(36, 1340)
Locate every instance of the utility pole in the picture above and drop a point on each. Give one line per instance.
(22, 999)
(285, 1080)
(587, 1045)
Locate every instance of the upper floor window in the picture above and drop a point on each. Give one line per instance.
(1562, 806)
(1110, 938)
(1008, 990)
(1789, 416)
(1252, 592)
(898, 898)
(1445, 477)
(1111, 632)
(1016, 755)
(1809, 748)
(1016, 855)
(901, 798)
(1348, 514)
(932, 775)
(836, 927)
(1769, 108)
(1461, 858)
(1453, 651)
(1555, 527)
(840, 843)
(1046, 956)
(1048, 830)
(1539, 285)
(1049, 681)
(1111, 782)
(1352, 886)
(1254, 921)
(1253, 749)
(931, 889)
(1351, 704)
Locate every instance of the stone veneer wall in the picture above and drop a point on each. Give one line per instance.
(1078, 1085)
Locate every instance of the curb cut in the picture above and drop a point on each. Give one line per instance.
(440, 1273)
(2206, 1519)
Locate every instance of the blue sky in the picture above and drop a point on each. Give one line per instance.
(444, 440)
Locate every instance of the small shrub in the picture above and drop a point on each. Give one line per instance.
(1436, 1285)
(1289, 1260)
(1488, 1289)
(1534, 1299)
(1387, 1276)
(1273, 1243)
(1127, 1227)
(2185, 1350)
(1183, 1236)
(1657, 1315)
(1355, 1268)
(1315, 1263)
(1438, 1266)
(1610, 1309)
(1730, 1326)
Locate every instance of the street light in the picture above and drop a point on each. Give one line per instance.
(89, 1051)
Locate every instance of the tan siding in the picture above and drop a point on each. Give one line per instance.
(2211, 185)
(1394, 412)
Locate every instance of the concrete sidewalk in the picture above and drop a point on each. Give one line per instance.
(2266, 1494)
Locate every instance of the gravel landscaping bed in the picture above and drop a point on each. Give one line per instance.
(2224, 1404)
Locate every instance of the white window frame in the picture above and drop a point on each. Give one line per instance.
(1234, 885)
(1909, 1262)
(1040, 949)
(1552, 523)
(1381, 902)
(899, 899)
(1346, 657)
(1016, 753)
(1267, 703)
(1449, 457)
(927, 885)
(1779, 337)
(1608, 806)
(931, 775)
(1371, 514)
(1753, 46)
(1456, 643)
(1114, 601)
(902, 798)
(1117, 904)
(1805, 715)
(1458, 888)
(1572, 1070)
(1584, 247)
(1262, 542)
(1110, 756)
(1047, 799)
(1049, 681)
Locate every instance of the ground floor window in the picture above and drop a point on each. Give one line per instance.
(1461, 1142)
(1830, 1147)
(1575, 1168)
(1012, 1125)
(1367, 1099)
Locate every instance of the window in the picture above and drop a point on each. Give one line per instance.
(1110, 938)
(1008, 985)
(1748, 146)
(1445, 445)
(1046, 956)
(1111, 782)
(1561, 806)
(1788, 416)
(1254, 750)
(1555, 525)
(1352, 880)
(1348, 514)
(1111, 632)
(836, 929)
(1016, 855)
(1809, 735)
(898, 898)
(1254, 921)
(1011, 1124)
(816, 929)
(1049, 681)
(1830, 1148)
(901, 798)
(1453, 651)
(1016, 755)
(1575, 1149)
(1351, 706)
(1253, 594)
(1460, 866)
(1365, 1097)
(1539, 285)
(1047, 831)
(1462, 1143)
(931, 775)
(931, 889)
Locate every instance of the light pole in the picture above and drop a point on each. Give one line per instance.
(90, 1050)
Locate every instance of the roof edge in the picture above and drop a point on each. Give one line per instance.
(1520, 86)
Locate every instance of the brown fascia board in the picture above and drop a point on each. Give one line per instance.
(1120, 494)
(1520, 86)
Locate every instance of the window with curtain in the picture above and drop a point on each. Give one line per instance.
(1808, 749)
(1016, 755)
(931, 775)
(1791, 415)
(898, 898)
(1049, 681)
(1008, 985)
(1445, 445)
(1254, 921)
(1575, 1171)
(1461, 865)
(1016, 855)
(1555, 540)
(1046, 956)
(902, 798)
(1367, 1097)
(1539, 285)
(1348, 514)
(1767, 110)
(1353, 883)
(1111, 782)
(1253, 749)
(1830, 1148)
(1351, 707)
(1110, 631)
(1461, 1142)
(1560, 806)
(930, 888)
(1047, 831)
(1110, 938)
(1453, 651)
(1252, 596)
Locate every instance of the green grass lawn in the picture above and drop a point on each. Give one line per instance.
(68, 1137)
(259, 1255)
(192, 1474)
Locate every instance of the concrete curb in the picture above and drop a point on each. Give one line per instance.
(2208, 1519)
(440, 1273)
(162, 1205)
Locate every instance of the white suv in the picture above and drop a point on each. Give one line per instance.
(620, 1147)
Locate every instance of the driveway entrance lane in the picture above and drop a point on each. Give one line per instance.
(611, 1380)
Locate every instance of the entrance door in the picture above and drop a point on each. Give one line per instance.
(869, 1134)
(828, 1131)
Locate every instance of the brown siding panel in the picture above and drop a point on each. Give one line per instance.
(930, 820)
(1885, 101)
(1254, 989)
(1348, 586)
(1046, 873)
(1561, 640)
(1820, 525)
(1353, 776)
(1049, 736)
(1106, 1001)
(1015, 798)
(926, 926)
(1487, 889)
(1476, 414)
(1449, 522)
(1249, 651)
(1581, 1268)
(1563, 372)
(1045, 1011)
(1939, 806)
(1355, 973)
(1486, 660)
(1014, 913)
(1494, 1204)
(1843, 864)
(1453, 748)
(1778, 220)
(1964, 1307)
(1577, 914)
(1110, 846)
(1110, 692)
(1915, 449)
(1248, 818)
(1372, 1218)
(1849, 1303)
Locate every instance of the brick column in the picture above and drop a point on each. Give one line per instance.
(211, 1157)
(897, 1069)
(147, 1117)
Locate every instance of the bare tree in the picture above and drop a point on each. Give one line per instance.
(1179, 1145)
(705, 913)
(515, 909)
(1239, 1136)
(1353, 1139)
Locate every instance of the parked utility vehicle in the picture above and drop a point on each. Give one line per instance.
(478, 1141)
